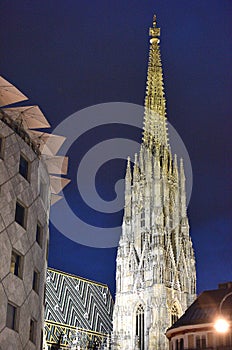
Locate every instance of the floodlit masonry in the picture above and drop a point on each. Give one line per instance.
(155, 273)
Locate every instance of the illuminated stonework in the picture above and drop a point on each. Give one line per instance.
(155, 275)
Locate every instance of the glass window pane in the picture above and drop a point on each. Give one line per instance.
(13, 261)
(23, 167)
(1, 148)
(32, 331)
(198, 342)
(47, 250)
(39, 234)
(203, 341)
(35, 284)
(20, 214)
(11, 316)
(15, 264)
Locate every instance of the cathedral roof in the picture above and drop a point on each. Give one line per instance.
(207, 307)
(75, 304)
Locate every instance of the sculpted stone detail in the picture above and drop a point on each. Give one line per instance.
(155, 260)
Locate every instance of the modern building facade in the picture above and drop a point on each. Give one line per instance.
(78, 312)
(24, 216)
(25, 196)
(196, 328)
(155, 273)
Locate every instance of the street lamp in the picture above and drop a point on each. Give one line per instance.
(222, 325)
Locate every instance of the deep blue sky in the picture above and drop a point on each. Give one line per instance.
(67, 55)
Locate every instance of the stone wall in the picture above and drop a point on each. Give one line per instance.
(22, 289)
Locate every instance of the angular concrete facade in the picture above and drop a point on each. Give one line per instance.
(24, 236)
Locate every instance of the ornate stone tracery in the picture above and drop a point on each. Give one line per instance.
(155, 261)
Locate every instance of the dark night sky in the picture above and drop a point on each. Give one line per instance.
(68, 55)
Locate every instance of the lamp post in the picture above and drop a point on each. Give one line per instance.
(222, 325)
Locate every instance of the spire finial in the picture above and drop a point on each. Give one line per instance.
(154, 32)
(128, 169)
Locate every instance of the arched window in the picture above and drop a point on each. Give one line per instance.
(174, 314)
(140, 327)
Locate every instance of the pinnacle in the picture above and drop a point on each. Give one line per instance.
(155, 130)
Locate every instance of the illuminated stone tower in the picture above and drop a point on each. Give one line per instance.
(155, 275)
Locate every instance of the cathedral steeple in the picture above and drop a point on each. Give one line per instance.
(155, 129)
(155, 273)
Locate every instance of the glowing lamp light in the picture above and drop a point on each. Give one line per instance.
(221, 325)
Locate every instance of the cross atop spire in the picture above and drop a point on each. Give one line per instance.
(155, 129)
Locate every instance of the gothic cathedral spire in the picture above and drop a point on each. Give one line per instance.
(155, 129)
(155, 268)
